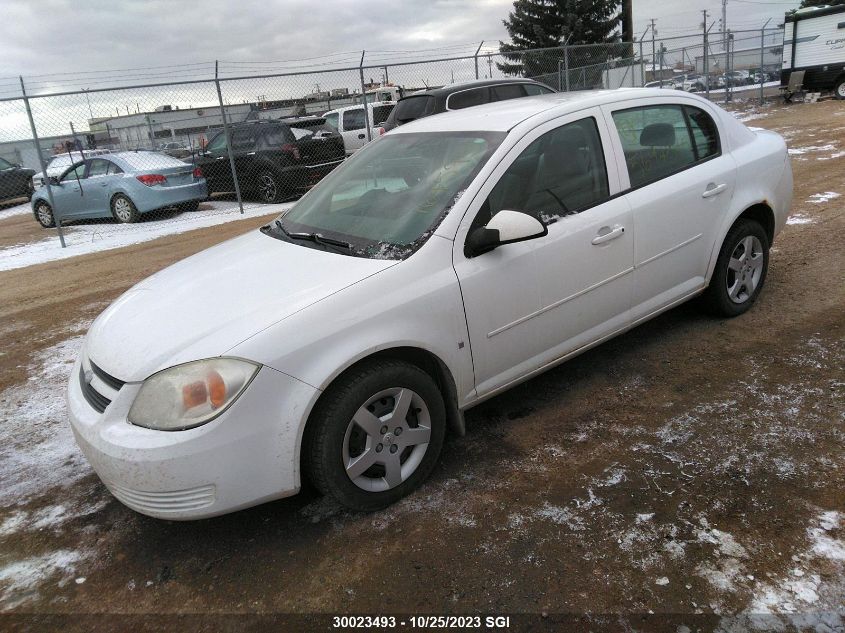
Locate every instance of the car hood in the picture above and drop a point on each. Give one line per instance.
(208, 303)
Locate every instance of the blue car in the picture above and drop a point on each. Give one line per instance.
(122, 186)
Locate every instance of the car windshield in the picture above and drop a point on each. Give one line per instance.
(387, 200)
(411, 108)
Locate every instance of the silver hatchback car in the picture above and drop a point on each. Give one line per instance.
(123, 185)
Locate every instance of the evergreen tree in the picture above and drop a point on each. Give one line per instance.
(538, 24)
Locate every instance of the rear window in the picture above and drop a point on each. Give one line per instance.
(534, 89)
(380, 113)
(468, 98)
(150, 160)
(411, 108)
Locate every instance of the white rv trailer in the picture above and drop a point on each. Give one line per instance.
(814, 41)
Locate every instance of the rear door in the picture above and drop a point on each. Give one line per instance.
(353, 129)
(215, 164)
(95, 187)
(678, 183)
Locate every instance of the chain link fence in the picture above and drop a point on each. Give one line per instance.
(123, 154)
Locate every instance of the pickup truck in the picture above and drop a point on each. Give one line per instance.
(350, 122)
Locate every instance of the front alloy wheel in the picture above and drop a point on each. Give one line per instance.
(376, 434)
(387, 439)
(44, 215)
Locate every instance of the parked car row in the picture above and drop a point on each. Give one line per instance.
(274, 160)
(698, 83)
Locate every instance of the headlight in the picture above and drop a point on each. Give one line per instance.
(190, 395)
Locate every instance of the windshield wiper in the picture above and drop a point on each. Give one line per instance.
(317, 238)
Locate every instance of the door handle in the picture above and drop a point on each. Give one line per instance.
(606, 234)
(104, 184)
(362, 136)
(714, 190)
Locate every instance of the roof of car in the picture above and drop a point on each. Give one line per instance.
(505, 115)
(476, 83)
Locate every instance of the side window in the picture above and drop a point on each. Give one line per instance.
(114, 169)
(704, 132)
(4, 164)
(78, 171)
(380, 113)
(98, 167)
(274, 137)
(468, 98)
(243, 139)
(217, 144)
(560, 173)
(656, 142)
(353, 119)
(533, 89)
(332, 120)
(507, 91)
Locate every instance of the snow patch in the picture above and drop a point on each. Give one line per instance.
(797, 151)
(92, 238)
(799, 218)
(819, 198)
(19, 581)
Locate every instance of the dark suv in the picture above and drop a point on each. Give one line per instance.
(15, 181)
(462, 95)
(274, 160)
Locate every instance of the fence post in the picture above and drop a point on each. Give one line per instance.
(706, 60)
(476, 59)
(642, 66)
(762, 58)
(566, 65)
(364, 97)
(228, 140)
(727, 47)
(41, 162)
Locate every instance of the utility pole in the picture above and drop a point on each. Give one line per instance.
(628, 26)
(724, 21)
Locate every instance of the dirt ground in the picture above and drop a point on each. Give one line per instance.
(691, 466)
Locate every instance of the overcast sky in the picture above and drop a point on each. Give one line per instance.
(52, 36)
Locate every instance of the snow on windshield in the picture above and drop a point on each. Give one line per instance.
(150, 160)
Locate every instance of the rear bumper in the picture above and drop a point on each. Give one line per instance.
(246, 456)
(160, 197)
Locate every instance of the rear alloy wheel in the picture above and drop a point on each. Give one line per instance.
(740, 270)
(123, 209)
(376, 434)
(44, 215)
(269, 187)
(839, 89)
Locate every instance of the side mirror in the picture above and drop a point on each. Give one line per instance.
(54, 181)
(506, 227)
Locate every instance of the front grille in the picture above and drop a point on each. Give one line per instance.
(97, 400)
(110, 380)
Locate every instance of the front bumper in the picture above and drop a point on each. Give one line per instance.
(246, 456)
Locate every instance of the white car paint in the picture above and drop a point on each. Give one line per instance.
(492, 321)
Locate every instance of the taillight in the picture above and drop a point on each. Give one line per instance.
(293, 150)
(151, 180)
(381, 131)
(197, 172)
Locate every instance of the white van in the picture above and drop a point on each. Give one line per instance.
(350, 122)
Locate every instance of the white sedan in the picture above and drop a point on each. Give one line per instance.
(452, 259)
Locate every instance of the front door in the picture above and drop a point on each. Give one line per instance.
(531, 303)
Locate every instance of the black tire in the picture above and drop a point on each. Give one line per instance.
(268, 187)
(193, 205)
(330, 428)
(717, 298)
(839, 88)
(44, 214)
(123, 209)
